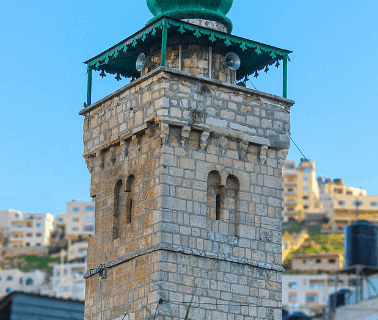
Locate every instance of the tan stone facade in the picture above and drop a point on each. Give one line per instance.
(186, 174)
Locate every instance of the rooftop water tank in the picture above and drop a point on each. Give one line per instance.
(338, 298)
(361, 244)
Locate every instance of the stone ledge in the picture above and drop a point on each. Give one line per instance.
(180, 249)
(163, 70)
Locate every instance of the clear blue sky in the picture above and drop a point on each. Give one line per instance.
(333, 77)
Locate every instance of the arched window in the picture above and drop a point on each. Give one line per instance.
(231, 203)
(130, 184)
(119, 210)
(214, 197)
(29, 282)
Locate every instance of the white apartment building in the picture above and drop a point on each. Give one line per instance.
(309, 292)
(67, 280)
(77, 251)
(16, 280)
(6, 218)
(31, 231)
(80, 218)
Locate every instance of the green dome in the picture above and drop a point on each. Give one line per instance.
(215, 10)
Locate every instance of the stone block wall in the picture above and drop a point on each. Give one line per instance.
(217, 243)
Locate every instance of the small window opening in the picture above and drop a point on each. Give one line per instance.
(217, 206)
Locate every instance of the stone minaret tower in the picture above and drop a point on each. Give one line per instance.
(185, 169)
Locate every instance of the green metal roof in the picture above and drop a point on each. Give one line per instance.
(120, 58)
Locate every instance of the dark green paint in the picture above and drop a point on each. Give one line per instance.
(285, 77)
(164, 39)
(89, 86)
(215, 10)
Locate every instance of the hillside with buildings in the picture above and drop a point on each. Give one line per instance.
(44, 254)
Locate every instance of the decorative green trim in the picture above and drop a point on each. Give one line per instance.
(284, 77)
(89, 86)
(255, 56)
(164, 40)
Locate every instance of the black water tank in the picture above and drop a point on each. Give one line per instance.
(298, 315)
(361, 244)
(338, 298)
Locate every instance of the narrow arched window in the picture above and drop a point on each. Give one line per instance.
(230, 209)
(217, 206)
(214, 198)
(130, 184)
(119, 209)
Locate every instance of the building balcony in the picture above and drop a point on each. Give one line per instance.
(290, 193)
(290, 202)
(288, 183)
(290, 212)
(289, 172)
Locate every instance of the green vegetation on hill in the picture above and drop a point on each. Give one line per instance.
(318, 243)
(30, 263)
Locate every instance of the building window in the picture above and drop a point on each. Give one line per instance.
(20, 280)
(28, 244)
(75, 209)
(312, 298)
(305, 179)
(9, 290)
(306, 188)
(230, 203)
(1, 278)
(29, 235)
(75, 229)
(304, 261)
(120, 209)
(305, 197)
(38, 234)
(307, 170)
(39, 225)
(292, 297)
(318, 260)
(373, 204)
(61, 220)
(215, 194)
(305, 207)
(129, 198)
(83, 252)
(29, 282)
(342, 203)
(75, 219)
(89, 219)
(89, 208)
(10, 278)
(38, 244)
(88, 228)
(292, 285)
(332, 260)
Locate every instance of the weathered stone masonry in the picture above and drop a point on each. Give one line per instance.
(186, 173)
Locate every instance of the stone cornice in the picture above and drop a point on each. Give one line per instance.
(162, 70)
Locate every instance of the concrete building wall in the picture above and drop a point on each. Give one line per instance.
(363, 310)
(317, 262)
(32, 231)
(309, 293)
(77, 250)
(300, 189)
(6, 218)
(160, 151)
(80, 218)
